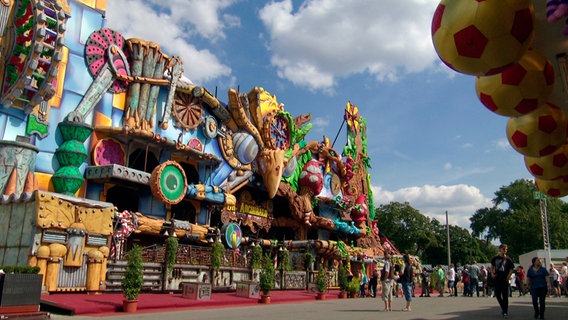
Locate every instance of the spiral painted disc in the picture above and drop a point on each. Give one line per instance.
(168, 182)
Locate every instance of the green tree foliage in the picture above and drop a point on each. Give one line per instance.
(406, 227)
(412, 232)
(515, 219)
(133, 278)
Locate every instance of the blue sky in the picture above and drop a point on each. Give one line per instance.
(432, 143)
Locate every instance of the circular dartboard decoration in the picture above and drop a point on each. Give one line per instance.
(187, 110)
(108, 151)
(277, 127)
(232, 235)
(97, 55)
(168, 182)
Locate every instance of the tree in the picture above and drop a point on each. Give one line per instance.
(406, 227)
(515, 219)
(412, 232)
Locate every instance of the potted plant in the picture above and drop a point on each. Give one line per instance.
(217, 252)
(321, 283)
(266, 279)
(20, 288)
(343, 282)
(171, 254)
(308, 260)
(133, 279)
(256, 259)
(354, 286)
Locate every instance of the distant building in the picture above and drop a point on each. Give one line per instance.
(557, 256)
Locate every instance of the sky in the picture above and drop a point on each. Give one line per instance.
(431, 142)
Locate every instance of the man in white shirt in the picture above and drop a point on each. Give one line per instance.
(451, 275)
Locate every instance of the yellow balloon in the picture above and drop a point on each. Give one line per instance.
(520, 88)
(549, 167)
(538, 133)
(482, 37)
(554, 188)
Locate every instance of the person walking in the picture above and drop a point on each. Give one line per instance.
(451, 276)
(483, 280)
(386, 282)
(474, 278)
(465, 282)
(501, 269)
(521, 280)
(425, 283)
(440, 281)
(555, 278)
(373, 284)
(407, 281)
(564, 276)
(537, 279)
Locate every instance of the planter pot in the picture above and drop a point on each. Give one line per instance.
(321, 296)
(129, 306)
(342, 295)
(352, 294)
(264, 299)
(20, 289)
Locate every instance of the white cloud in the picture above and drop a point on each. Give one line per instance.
(324, 40)
(166, 22)
(447, 166)
(320, 124)
(461, 201)
(503, 144)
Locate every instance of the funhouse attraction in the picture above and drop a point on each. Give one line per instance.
(106, 145)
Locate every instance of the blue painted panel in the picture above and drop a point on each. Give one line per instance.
(116, 117)
(105, 105)
(84, 20)
(94, 190)
(77, 77)
(45, 163)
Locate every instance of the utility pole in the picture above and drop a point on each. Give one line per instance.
(544, 218)
(448, 240)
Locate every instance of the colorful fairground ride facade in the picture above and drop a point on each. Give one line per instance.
(106, 144)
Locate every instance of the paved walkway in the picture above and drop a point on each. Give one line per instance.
(470, 308)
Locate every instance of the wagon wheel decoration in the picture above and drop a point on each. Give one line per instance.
(96, 53)
(187, 110)
(277, 127)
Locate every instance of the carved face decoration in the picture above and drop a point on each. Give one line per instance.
(271, 165)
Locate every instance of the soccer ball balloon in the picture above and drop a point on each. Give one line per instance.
(549, 167)
(557, 188)
(538, 133)
(520, 88)
(482, 37)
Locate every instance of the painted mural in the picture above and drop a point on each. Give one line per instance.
(105, 142)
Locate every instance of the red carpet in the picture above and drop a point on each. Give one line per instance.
(107, 303)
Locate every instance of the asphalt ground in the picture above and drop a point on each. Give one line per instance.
(352, 309)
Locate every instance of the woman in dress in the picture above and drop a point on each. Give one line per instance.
(538, 281)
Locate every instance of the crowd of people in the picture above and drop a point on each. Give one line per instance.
(500, 279)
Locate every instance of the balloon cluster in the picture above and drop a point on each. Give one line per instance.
(491, 40)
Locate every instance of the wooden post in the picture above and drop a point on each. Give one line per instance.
(94, 261)
(57, 251)
(42, 256)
